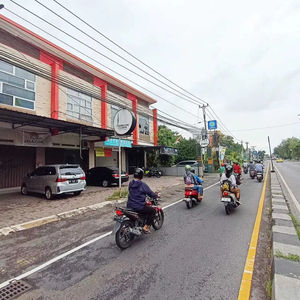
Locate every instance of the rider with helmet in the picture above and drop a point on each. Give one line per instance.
(190, 179)
(228, 176)
(198, 180)
(138, 190)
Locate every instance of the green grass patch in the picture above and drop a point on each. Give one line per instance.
(296, 224)
(293, 257)
(269, 285)
(118, 195)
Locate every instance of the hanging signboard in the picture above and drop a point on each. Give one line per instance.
(124, 122)
(212, 124)
(32, 139)
(204, 143)
(168, 151)
(115, 143)
(222, 151)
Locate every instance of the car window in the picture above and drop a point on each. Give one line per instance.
(50, 171)
(41, 171)
(70, 170)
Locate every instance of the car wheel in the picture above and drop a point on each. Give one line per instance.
(48, 193)
(77, 193)
(24, 190)
(105, 183)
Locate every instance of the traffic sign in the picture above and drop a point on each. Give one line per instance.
(204, 143)
(212, 124)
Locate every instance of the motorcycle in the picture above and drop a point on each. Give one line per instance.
(259, 176)
(129, 223)
(252, 174)
(228, 199)
(150, 173)
(245, 170)
(191, 197)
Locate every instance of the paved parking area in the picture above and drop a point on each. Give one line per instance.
(16, 208)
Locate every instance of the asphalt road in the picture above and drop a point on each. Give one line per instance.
(290, 171)
(198, 254)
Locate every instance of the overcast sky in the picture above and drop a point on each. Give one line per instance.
(242, 57)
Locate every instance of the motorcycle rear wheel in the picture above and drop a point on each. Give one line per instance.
(189, 204)
(227, 209)
(124, 237)
(158, 175)
(158, 220)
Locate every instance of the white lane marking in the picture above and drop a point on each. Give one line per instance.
(55, 259)
(181, 199)
(289, 190)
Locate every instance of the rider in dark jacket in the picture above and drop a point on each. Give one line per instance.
(138, 191)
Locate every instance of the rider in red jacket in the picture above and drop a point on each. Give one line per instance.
(237, 168)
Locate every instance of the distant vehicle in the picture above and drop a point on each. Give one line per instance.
(192, 163)
(54, 180)
(279, 160)
(105, 176)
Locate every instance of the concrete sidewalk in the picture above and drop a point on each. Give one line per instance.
(285, 248)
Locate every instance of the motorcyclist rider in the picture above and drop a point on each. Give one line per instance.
(222, 169)
(137, 198)
(252, 166)
(198, 181)
(190, 179)
(245, 165)
(259, 167)
(229, 176)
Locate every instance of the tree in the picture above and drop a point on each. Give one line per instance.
(166, 137)
(288, 149)
(186, 149)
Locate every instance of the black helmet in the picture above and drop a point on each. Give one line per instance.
(192, 170)
(138, 173)
(228, 168)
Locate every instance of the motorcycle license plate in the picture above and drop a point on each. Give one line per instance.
(186, 199)
(225, 199)
(117, 227)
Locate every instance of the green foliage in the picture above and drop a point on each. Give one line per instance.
(288, 149)
(186, 149)
(290, 256)
(118, 195)
(234, 151)
(166, 137)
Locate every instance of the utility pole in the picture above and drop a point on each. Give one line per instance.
(204, 117)
(247, 151)
(205, 127)
(271, 155)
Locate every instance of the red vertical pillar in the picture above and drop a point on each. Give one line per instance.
(54, 90)
(103, 85)
(155, 126)
(134, 109)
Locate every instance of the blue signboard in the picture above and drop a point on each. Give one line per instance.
(115, 143)
(212, 124)
(255, 152)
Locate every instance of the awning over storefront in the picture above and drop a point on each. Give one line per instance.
(21, 119)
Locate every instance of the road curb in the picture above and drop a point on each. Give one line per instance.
(285, 242)
(55, 218)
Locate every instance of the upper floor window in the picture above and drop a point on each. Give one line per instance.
(17, 86)
(114, 110)
(79, 106)
(144, 125)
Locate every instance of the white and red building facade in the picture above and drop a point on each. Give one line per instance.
(57, 108)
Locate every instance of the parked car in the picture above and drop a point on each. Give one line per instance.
(105, 176)
(279, 160)
(54, 180)
(192, 163)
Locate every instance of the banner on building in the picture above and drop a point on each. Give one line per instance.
(33, 139)
(103, 152)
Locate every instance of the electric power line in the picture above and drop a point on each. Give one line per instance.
(43, 46)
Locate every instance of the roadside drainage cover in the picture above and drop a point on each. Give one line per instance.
(14, 289)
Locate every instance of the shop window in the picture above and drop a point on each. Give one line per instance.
(17, 86)
(144, 125)
(79, 106)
